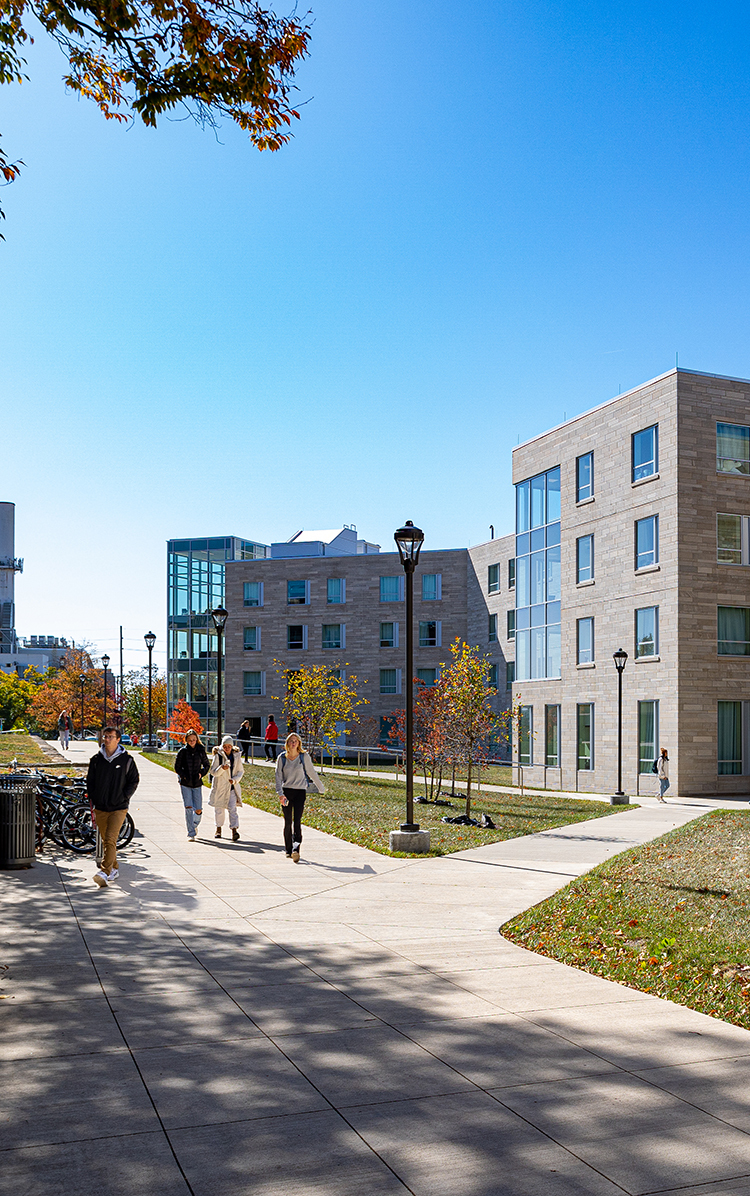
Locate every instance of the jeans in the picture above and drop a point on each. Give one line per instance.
(270, 749)
(64, 739)
(245, 745)
(193, 800)
(663, 785)
(293, 818)
(108, 823)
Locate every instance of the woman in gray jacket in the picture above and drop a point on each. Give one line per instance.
(294, 772)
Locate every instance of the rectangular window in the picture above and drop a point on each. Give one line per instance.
(511, 625)
(296, 636)
(648, 735)
(253, 593)
(647, 632)
(584, 559)
(647, 541)
(389, 635)
(429, 634)
(432, 587)
(492, 628)
(730, 761)
(492, 677)
(391, 589)
(734, 630)
(732, 448)
(334, 635)
(335, 590)
(493, 579)
(585, 641)
(387, 722)
(733, 539)
(253, 684)
(251, 639)
(585, 748)
(512, 573)
(427, 676)
(390, 681)
(645, 453)
(297, 593)
(552, 736)
(537, 577)
(584, 477)
(525, 735)
(510, 673)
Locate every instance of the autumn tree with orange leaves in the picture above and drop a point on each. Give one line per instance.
(430, 738)
(61, 690)
(184, 719)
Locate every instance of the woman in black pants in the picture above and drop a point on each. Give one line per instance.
(294, 773)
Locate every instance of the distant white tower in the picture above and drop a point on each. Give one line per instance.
(9, 566)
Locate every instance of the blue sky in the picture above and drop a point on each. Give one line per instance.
(490, 217)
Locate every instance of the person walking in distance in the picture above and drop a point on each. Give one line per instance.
(272, 738)
(294, 774)
(65, 729)
(191, 767)
(111, 782)
(662, 771)
(226, 773)
(244, 735)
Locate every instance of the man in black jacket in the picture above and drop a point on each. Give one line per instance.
(191, 767)
(112, 781)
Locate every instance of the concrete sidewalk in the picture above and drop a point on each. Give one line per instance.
(225, 1022)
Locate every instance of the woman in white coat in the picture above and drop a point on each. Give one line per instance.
(226, 772)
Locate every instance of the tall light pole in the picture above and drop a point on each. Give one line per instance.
(219, 617)
(620, 658)
(83, 682)
(105, 662)
(409, 540)
(150, 639)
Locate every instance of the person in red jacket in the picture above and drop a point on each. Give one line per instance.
(272, 737)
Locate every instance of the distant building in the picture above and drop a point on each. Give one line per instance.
(16, 655)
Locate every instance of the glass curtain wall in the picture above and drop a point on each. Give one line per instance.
(195, 587)
(538, 640)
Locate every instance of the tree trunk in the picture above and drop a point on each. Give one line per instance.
(468, 788)
(453, 779)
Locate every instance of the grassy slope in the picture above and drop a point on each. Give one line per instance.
(671, 918)
(20, 746)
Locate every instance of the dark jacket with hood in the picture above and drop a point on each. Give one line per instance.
(191, 765)
(111, 782)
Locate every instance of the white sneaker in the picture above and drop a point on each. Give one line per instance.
(101, 878)
(114, 874)
(191, 838)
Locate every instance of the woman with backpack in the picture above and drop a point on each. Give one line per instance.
(295, 774)
(226, 773)
(662, 772)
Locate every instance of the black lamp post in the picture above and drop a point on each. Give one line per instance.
(219, 617)
(409, 540)
(620, 658)
(150, 639)
(105, 662)
(83, 682)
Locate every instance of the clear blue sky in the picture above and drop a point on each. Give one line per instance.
(491, 216)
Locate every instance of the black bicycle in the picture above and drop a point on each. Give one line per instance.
(78, 831)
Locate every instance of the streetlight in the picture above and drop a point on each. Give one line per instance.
(409, 541)
(83, 682)
(620, 658)
(219, 617)
(105, 662)
(150, 639)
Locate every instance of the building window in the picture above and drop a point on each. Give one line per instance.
(732, 448)
(253, 593)
(585, 748)
(734, 630)
(584, 477)
(493, 579)
(296, 636)
(492, 677)
(512, 573)
(297, 593)
(647, 632)
(432, 587)
(429, 634)
(648, 735)
(537, 621)
(392, 589)
(585, 641)
(251, 639)
(427, 676)
(525, 734)
(387, 723)
(390, 681)
(510, 673)
(492, 628)
(645, 453)
(647, 542)
(253, 684)
(584, 559)
(733, 539)
(389, 635)
(334, 635)
(511, 624)
(335, 590)
(552, 736)
(730, 754)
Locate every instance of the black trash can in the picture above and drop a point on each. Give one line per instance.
(17, 822)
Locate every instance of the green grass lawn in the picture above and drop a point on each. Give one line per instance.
(364, 811)
(671, 918)
(17, 745)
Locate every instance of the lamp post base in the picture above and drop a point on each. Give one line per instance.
(415, 842)
(619, 799)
